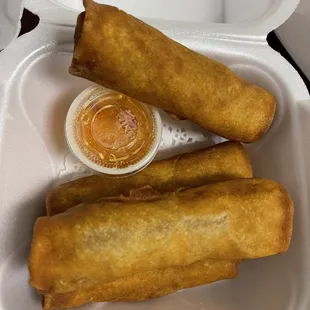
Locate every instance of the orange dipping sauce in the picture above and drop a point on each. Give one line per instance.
(113, 130)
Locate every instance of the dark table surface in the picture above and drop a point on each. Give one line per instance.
(30, 21)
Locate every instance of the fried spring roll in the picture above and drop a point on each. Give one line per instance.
(221, 162)
(118, 51)
(147, 285)
(92, 244)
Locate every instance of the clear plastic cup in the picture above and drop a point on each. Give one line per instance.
(112, 133)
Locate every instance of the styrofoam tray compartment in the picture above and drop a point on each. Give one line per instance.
(35, 93)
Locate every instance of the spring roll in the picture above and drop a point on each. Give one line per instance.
(97, 243)
(147, 285)
(118, 51)
(221, 162)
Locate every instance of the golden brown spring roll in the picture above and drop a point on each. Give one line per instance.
(98, 243)
(120, 52)
(221, 162)
(147, 285)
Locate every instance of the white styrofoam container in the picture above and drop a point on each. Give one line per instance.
(36, 91)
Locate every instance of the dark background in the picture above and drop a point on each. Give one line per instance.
(30, 21)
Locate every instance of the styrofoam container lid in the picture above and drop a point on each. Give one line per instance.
(294, 35)
(10, 15)
(246, 18)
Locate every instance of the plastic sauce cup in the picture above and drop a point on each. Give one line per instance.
(111, 132)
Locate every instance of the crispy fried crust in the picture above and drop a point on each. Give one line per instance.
(98, 243)
(120, 52)
(147, 285)
(221, 162)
